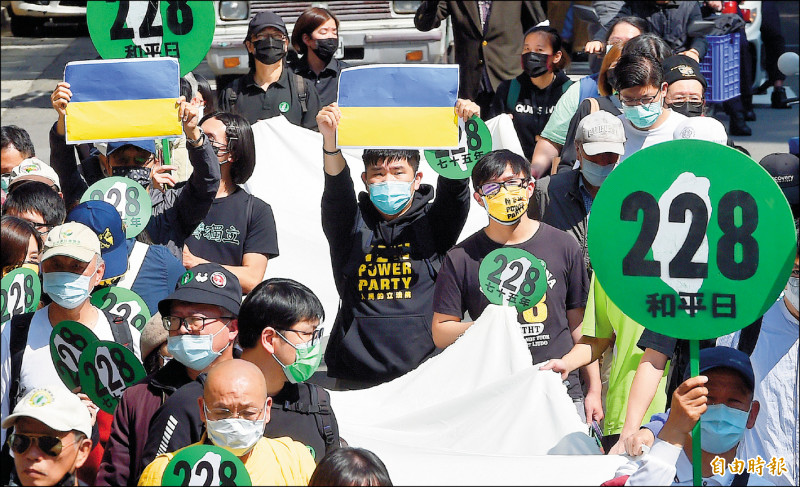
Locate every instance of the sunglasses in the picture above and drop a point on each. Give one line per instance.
(51, 445)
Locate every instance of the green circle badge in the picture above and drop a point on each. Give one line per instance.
(21, 292)
(106, 370)
(123, 303)
(205, 465)
(283, 107)
(130, 199)
(691, 239)
(474, 141)
(68, 340)
(512, 277)
(179, 29)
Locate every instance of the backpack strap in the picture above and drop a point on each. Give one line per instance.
(740, 479)
(321, 403)
(135, 261)
(594, 105)
(121, 330)
(302, 91)
(513, 93)
(749, 336)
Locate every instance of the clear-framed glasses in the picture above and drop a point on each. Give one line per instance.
(315, 335)
(191, 323)
(680, 100)
(491, 189)
(249, 414)
(632, 102)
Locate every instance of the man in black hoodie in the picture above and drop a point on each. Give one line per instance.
(386, 249)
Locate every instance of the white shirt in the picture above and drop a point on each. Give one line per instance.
(37, 364)
(637, 139)
(667, 464)
(775, 366)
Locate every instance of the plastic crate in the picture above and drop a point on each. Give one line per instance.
(720, 66)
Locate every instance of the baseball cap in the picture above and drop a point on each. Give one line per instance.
(601, 132)
(265, 19)
(106, 223)
(33, 169)
(701, 128)
(784, 168)
(72, 239)
(148, 145)
(680, 67)
(206, 284)
(731, 358)
(54, 406)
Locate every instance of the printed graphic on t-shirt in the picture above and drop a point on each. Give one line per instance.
(386, 273)
(532, 319)
(217, 233)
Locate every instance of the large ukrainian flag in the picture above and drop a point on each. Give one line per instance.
(122, 99)
(397, 106)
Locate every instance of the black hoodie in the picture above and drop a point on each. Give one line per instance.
(384, 273)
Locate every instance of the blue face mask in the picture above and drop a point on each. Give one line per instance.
(195, 351)
(643, 116)
(722, 428)
(595, 174)
(389, 197)
(66, 289)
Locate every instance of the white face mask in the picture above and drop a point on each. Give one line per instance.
(237, 435)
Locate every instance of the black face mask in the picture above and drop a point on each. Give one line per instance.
(139, 174)
(688, 109)
(326, 48)
(269, 50)
(534, 64)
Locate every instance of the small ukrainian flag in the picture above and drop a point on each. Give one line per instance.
(398, 106)
(122, 99)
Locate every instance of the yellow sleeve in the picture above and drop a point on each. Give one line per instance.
(153, 473)
(307, 464)
(595, 318)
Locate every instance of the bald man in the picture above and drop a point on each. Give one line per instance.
(235, 409)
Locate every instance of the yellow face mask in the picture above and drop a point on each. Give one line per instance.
(507, 206)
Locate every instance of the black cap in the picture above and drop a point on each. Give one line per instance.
(783, 167)
(680, 67)
(206, 284)
(730, 358)
(265, 19)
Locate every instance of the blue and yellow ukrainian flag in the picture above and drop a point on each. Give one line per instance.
(122, 99)
(397, 106)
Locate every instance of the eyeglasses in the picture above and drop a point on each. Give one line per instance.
(277, 37)
(645, 100)
(680, 100)
(216, 414)
(139, 161)
(219, 147)
(41, 228)
(315, 335)
(191, 323)
(50, 445)
(491, 189)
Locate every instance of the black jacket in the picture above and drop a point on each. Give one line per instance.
(385, 274)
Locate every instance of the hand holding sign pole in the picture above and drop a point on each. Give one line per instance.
(701, 247)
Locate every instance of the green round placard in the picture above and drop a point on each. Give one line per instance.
(123, 303)
(21, 292)
(106, 370)
(130, 199)
(513, 277)
(205, 465)
(692, 239)
(179, 29)
(474, 141)
(68, 340)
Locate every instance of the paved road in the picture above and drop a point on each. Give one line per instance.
(31, 67)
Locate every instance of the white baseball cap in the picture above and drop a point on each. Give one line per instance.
(72, 239)
(33, 169)
(601, 132)
(54, 406)
(701, 128)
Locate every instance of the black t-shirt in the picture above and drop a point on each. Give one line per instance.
(544, 325)
(235, 225)
(532, 108)
(326, 82)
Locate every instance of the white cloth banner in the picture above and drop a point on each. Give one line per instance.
(478, 413)
(289, 176)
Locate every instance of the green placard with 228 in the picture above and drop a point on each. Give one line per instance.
(128, 197)
(68, 340)
(106, 369)
(474, 141)
(123, 303)
(512, 277)
(691, 239)
(205, 465)
(21, 292)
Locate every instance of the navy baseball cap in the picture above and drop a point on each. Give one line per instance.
(148, 145)
(206, 284)
(104, 220)
(731, 358)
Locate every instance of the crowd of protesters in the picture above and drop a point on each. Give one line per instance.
(232, 359)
